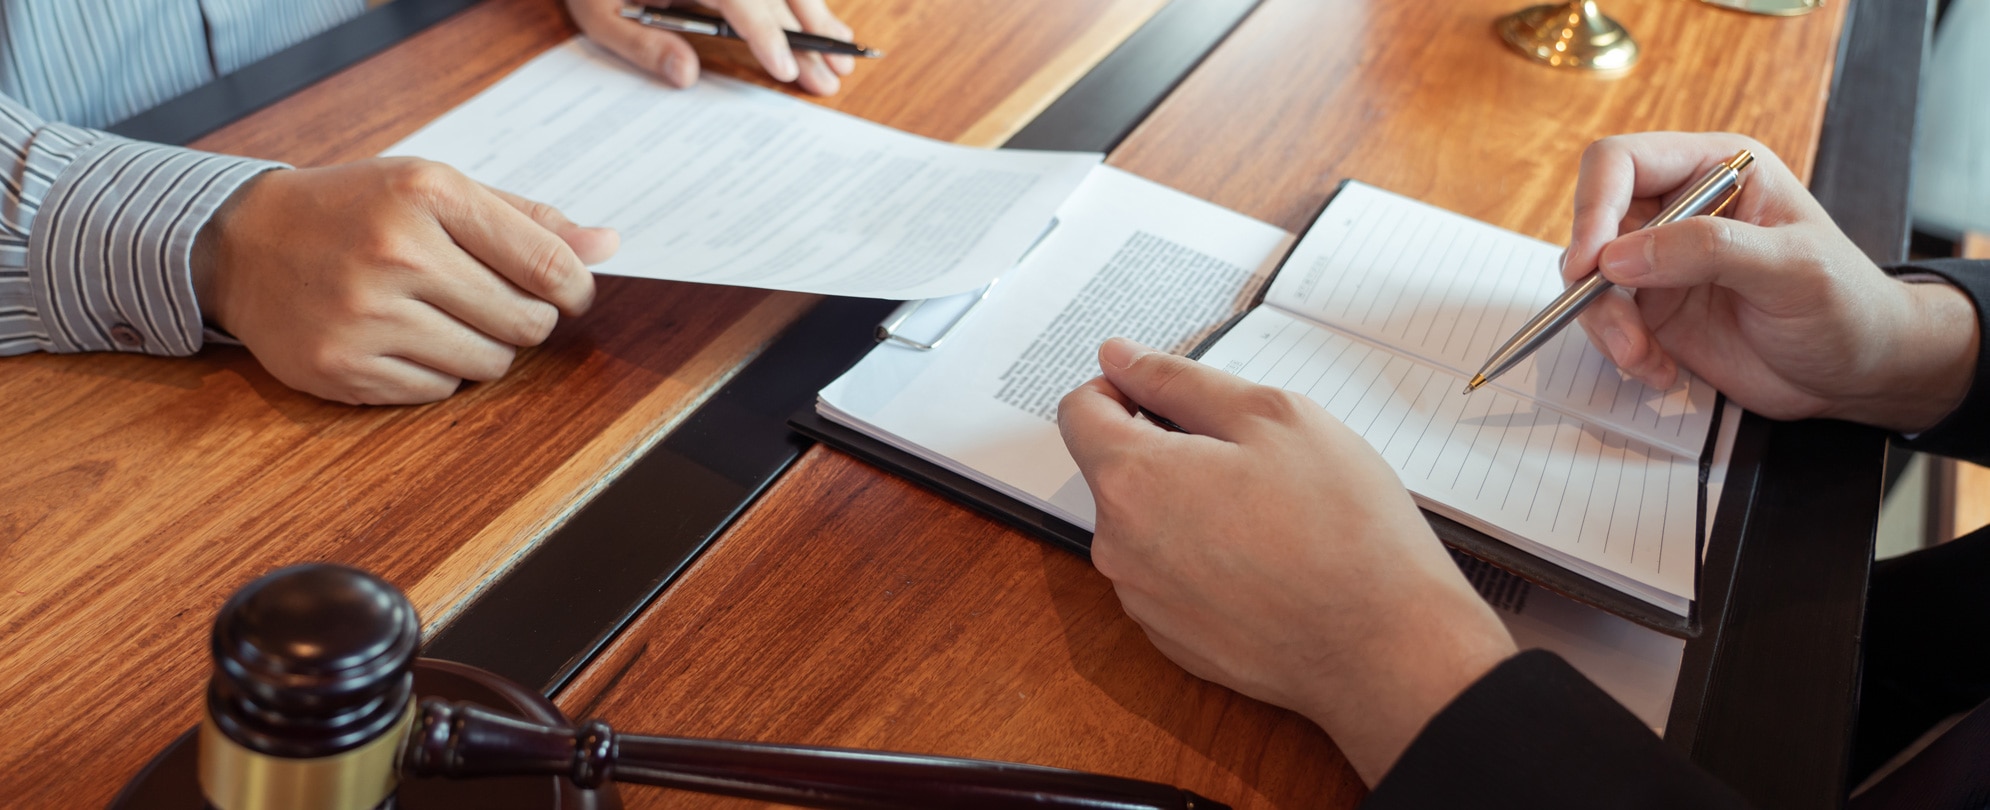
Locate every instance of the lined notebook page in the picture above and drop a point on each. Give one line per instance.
(1449, 290)
(1617, 510)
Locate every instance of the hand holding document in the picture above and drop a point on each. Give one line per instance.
(729, 183)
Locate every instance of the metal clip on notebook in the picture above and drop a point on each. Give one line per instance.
(916, 318)
(939, 317)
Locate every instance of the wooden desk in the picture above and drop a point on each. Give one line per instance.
(847, 607)
(851, 608)
(136, 493)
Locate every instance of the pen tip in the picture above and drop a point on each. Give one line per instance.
(1477, 380)
(873, 53)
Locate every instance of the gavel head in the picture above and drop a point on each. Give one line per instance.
(312, 692)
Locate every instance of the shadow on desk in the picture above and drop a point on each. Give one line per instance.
(1251, 741)
(854, 609)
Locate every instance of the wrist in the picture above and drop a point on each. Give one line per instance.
(210, 255)
(1376, 705)
(1928, 365)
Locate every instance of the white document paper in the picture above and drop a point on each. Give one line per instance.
(1558, 479)
(1613, 509)
(1635, 664)
(730, 183)
(1448, 290)
(1381, 313)
(984, 402)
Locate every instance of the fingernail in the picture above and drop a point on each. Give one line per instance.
(785, 67)
(609, 237)
(1618, 343)
(1120, 352)
(825, 78)
(1562, 263)
(678, 71)
(1628, 257)
(1664, 377)
(843, 64)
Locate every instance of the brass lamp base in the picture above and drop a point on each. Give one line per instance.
(1773, 8)
(1569, 35)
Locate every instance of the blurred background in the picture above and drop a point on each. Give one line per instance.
(1931, 500)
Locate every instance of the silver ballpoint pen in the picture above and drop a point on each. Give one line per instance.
(1711, 193)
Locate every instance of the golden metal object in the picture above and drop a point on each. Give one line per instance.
(1773, 8)
(1737, 163)
(1570, 35)
(236, 778)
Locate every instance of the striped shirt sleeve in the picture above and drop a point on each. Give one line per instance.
(97, 234)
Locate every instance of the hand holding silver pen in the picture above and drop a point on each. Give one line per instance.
(1708, 195)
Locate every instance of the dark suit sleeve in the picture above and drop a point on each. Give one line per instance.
(1966, 432)
(1533, 733)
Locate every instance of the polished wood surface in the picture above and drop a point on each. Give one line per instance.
(136, 492)
(852, 608)
(1421, 99)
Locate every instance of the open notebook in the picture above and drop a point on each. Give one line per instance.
(1379, 313)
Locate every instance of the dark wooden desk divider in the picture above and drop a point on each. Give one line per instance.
(309, 708)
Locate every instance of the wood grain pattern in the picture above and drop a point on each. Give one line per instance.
(534, 514)
(1424, 100)
(883, 617)
(136, 493)
(851, 608)
(1057, 76)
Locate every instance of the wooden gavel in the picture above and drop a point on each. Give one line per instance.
(311, 707)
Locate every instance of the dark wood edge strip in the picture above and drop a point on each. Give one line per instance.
(1731, 520)
(549, 615)
(223, 101)
(1104, 106)
(552, 612)
(1768, 702)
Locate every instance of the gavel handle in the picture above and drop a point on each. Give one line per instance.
(462, 740)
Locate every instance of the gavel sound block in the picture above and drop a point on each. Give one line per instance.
(313, 706)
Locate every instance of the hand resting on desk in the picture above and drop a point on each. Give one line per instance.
(759, 22)
(389, 281)
(1770, 302)
(1271, 550)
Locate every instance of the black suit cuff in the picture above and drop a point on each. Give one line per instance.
(1962, 433)
(1533, 733)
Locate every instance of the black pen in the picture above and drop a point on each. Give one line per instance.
(685, 22)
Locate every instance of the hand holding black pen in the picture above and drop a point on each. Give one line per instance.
(764, 25)
(685, 22)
